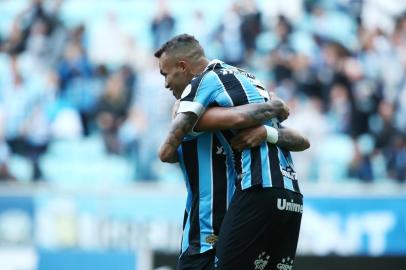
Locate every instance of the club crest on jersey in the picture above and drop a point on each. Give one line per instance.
(286, 264)
(262, 261)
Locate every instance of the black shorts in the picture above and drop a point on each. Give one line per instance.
(260, 230)
(202, 261)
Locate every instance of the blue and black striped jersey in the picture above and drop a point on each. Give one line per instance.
(210, 185)
(226, 86)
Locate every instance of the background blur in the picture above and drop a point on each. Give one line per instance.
(83, 110)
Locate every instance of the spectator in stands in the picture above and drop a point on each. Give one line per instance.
(361, 165)
(112, 109)
(339, 112)
(37, 45)
(228, 35)
(129, 138)
(75, 72)
(282, 56)
(162, 25)
(251, 27)
(26, 123)
(397, 158)
(14, 44)
(74, 66)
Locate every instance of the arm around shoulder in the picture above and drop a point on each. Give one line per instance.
(221, 118)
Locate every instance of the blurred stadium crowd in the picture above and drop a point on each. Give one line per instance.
(64, 80)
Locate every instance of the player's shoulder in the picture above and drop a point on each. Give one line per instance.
(212, 69)
(207, 77)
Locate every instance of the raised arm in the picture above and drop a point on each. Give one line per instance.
(220, 118)
(288, 139)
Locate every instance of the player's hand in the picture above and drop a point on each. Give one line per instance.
(248, 138)
(282, 110)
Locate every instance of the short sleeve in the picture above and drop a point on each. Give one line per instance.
(200, 94)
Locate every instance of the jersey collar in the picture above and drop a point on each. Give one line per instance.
(212, 64)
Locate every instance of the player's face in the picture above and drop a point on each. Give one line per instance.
(176, 76)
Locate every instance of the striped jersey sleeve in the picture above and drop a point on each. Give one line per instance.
(200, 93)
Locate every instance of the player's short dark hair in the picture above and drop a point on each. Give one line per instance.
(181, 45)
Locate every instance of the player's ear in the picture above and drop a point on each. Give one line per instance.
(183, 65)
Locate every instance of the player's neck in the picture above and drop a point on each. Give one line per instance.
(200, 66)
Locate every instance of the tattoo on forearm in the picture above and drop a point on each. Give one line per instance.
(291, 140)
(183, 124)
(262, 113)
(259, 113)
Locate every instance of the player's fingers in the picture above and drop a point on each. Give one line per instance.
(244, 144)
(250, 143)
(238, 139)
(254, 143)
(238, 148)
(241, 147)
(238, 145)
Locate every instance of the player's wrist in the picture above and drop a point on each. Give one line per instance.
(271, 134)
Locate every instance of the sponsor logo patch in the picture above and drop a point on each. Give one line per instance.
(289, 173)
(284, 205)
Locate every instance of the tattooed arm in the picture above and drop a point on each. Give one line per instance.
(181, 125)
(218, 118)
(288, 139)
(292, 140)
(221, 118)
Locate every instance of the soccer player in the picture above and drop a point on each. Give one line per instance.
(209, 183)
(261, 227)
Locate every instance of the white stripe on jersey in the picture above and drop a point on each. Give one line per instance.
(190, 106)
